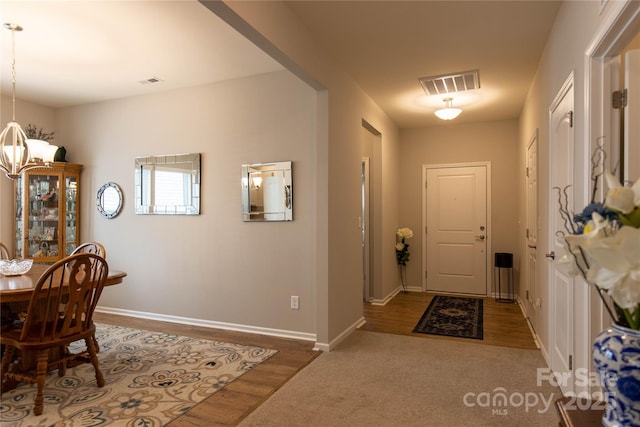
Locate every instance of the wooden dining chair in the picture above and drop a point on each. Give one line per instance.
(4, 251)
(91, 248)
(74, 283)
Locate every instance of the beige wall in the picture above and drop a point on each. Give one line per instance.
(576, 27)
(495, 142)
(166, 256)
(564, 54)
(211, 267)
(272, 26)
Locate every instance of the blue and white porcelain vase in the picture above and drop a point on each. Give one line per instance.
(616, 357)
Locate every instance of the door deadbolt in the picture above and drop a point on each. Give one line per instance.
(551, 255)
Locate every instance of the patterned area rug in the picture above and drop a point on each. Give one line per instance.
(151, 379)
(453, 317)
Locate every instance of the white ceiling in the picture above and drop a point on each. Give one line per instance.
(84, 51)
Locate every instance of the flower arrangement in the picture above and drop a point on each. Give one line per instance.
(602, 243)
(402, 253)
(402, 248)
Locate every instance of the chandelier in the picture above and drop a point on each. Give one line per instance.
(17, 153)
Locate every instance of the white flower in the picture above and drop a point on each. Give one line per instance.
(619, 198)
(399, 246)
(405, 233)
(636, 192)
(615, 266)
(568, 263)
(595, 229)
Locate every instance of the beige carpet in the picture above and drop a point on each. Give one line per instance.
(375, 379)
(151, 378)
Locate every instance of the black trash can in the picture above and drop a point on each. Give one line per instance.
(503, 275)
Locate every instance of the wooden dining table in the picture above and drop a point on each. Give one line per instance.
(18, 289)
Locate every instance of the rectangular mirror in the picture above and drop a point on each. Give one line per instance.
(168, 184)
(267, 192)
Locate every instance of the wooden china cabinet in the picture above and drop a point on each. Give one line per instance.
(47, 212)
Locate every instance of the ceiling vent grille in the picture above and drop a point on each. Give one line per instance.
(450, 83)
(150, 80)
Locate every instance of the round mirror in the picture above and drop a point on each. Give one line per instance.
(109, 200)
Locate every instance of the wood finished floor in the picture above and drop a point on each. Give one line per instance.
(504, 325)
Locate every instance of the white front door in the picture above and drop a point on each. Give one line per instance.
(456, 231)
(561, 286)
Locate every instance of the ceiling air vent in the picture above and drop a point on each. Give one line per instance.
(150, 81)
(450, 83)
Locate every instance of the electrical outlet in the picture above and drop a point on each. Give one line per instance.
(295, 302)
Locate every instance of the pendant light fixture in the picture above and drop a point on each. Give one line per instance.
(17, 153)
(448, 112)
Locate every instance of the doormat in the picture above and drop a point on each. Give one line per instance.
(452, 317)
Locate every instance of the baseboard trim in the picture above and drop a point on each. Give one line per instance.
(330, 346)
(210, 324)
(384, 301)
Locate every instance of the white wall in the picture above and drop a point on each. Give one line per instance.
(211, 267)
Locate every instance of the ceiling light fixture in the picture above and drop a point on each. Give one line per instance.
(17, 153)
(448, 112)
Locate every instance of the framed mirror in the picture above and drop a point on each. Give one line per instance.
(267, 192)
(109, 200)
(168, 184)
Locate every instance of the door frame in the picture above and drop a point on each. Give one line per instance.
(617, 28)
(367, 291)
(489, 228)
(532, 221)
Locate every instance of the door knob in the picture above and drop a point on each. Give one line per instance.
(480, 237)
(551, 255)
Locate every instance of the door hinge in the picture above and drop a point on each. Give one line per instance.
(527, 172)
(619, 99)
(425, 229)
(570, 362)
(527, 231)
(570, 113)
(527, 295)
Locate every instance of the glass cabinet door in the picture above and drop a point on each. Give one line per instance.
(43, 213)
(71, 218)
(47, 212)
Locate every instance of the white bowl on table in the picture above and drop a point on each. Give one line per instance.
(15, 267)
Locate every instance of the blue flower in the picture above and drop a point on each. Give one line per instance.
(586, 215)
